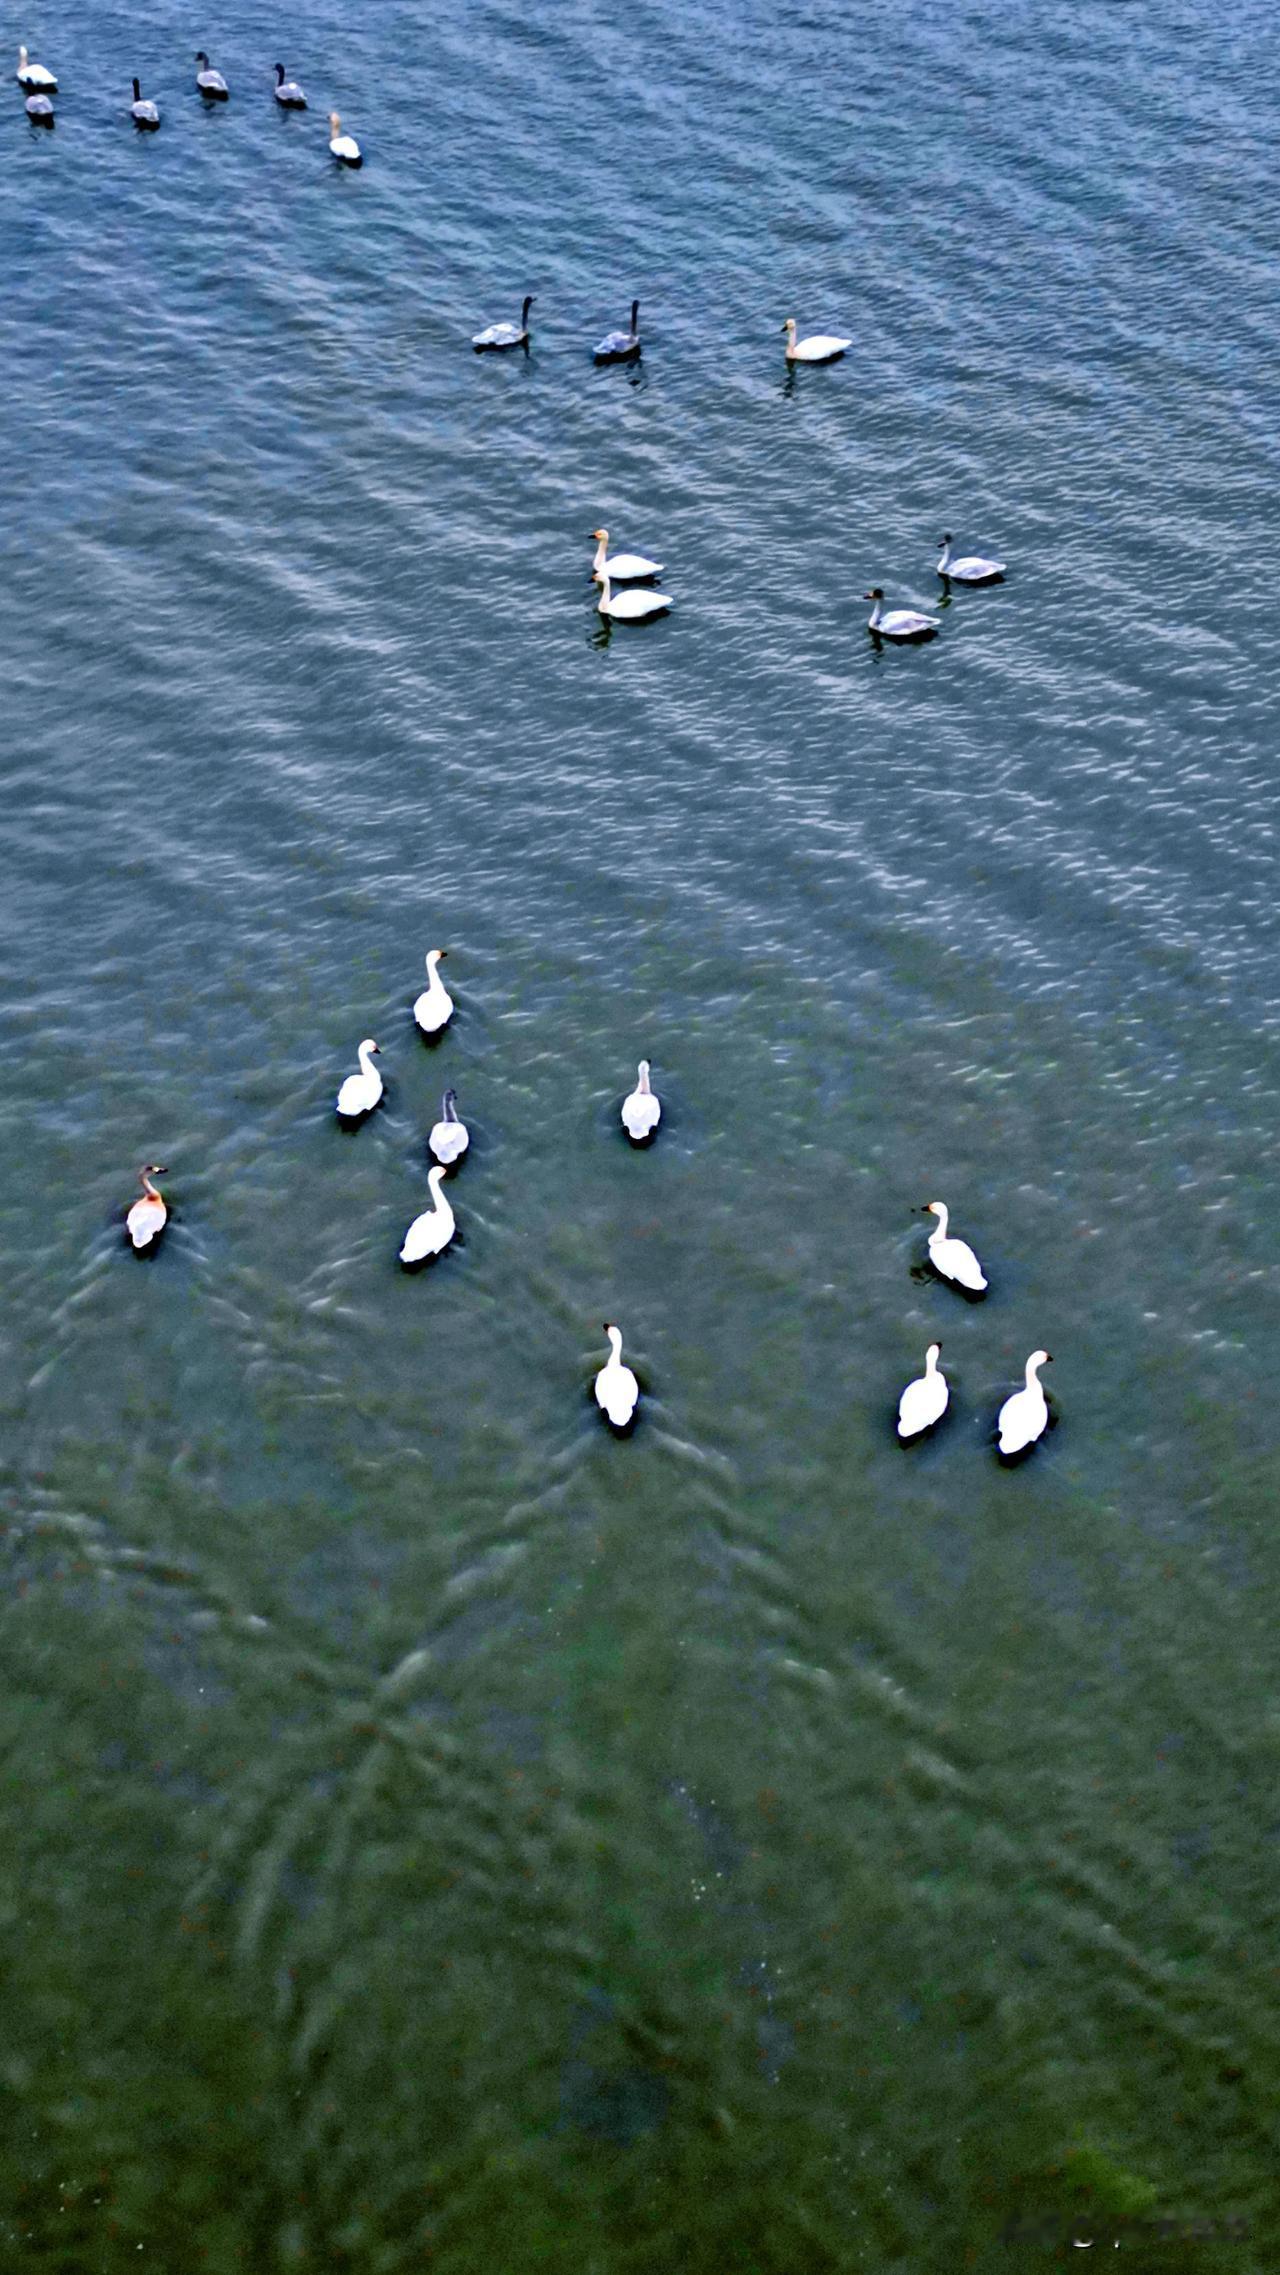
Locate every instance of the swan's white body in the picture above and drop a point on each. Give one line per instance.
(971, 569)
(343, 147)
(630, 607)
(616, 1387)
(506, 335)
(288, 93)
(142, 112)
(430, 1233)
(924, 1401)
(34, 77)
(39, 110)
(641, 1112)
(147, 1218)
(1024, 1417)
(449, 1137)
(898, 623)
(211, 83)
(820, 347)
(434, 1007)
(953, 1259)
(617, 347)
(620, 568)
(360, 1092)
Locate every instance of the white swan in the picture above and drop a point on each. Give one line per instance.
(430, 1233)
(39, 110)
(820, 347)
(211, 83)
(434, 1007)
(34, 77)
(288, 93)
(900, 623)
(971, 570)
(622, 568)
(1024, 1417)
(618, 347)
(360, 1092)
(616, 1387)
(641, 1112)
(631, 607)
(147, 1218)
(449, 1138)
(343, 147)
(924, 1401)
(506, 335)
(953, 1259)
(143, 113)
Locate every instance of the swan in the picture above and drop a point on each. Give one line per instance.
(972, 570)
(900, 623)
(40, 110)
(288, 93)
(924, 1401)
(34, 77)
(449, 1138)
(142, 113)
(952, 1259)
(820, 347)
(616, 1387)
(1024, 1417)
(147, 1218)
(616, 347)
(211, 83)
(343, 147)
(506, 335)
(623, 568)
(434, 1007)
(641, 1112)
(631, 607)
(360, 1092)
(430, 1233)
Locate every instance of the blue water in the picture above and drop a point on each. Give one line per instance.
(441, 1835)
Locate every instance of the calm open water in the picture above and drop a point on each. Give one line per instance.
(436, 1834)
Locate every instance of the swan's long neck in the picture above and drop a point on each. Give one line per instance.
(635, 311)
(642, 1080)
(941, 1211)
(450, 1110)
(602, 555)
(433, 959)
(524, 313)
(147, 1186)
(946, 557)
(615, 1345)
(365, 1056)
(931, 1359)
(873, 620)
(1033, 1374)
(435, 1180)
(602, 604)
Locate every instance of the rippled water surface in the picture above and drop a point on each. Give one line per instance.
(438, 1834)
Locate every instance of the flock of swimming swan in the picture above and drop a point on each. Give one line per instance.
(1024, 1417)
(40, 85)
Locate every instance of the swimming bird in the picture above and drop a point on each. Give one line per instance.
(449, 1138)
(820, 347)
(288, 93)
(211, 83)
(972, 569)
(34, 77)
(343, 147)
(1024, 1417)
(430, 1233)
(924, 1401)
(434, 1007)
(623, 568)
(360, 1092)
(616, 1387)
(506, 335)
(900, 623)
(147, 1218)
(953, 1259)
(39, 110)
(143, 113)
(631, 607)
(617, 347)
(641, 1112)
